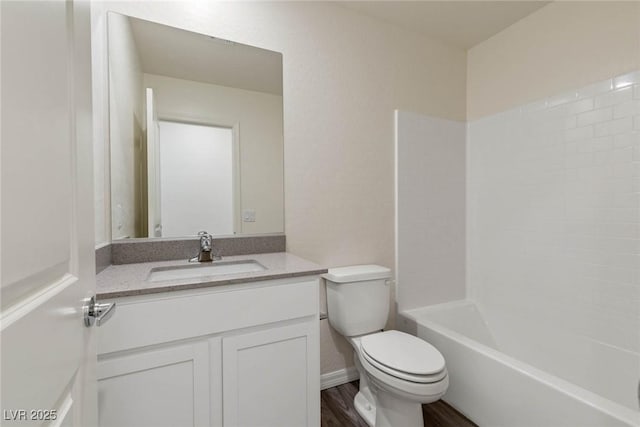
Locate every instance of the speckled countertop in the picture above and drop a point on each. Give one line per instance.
(125, 280)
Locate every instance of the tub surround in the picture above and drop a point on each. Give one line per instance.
(131, 279)
(553, 215)
(552, 229)
(431, 206)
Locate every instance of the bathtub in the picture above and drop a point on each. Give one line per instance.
(498, 382)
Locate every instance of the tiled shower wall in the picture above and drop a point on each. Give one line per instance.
(554, 212)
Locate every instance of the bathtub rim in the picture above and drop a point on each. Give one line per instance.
(613, 409)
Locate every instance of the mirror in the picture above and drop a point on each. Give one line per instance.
(196, 133)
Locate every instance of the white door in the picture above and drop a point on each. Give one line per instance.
(153, 166)
(196, 179)
(47, 251)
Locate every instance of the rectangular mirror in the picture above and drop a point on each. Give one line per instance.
(196, 133)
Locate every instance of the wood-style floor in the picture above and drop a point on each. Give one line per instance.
(338, 410)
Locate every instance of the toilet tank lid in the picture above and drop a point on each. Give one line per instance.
(357, 273)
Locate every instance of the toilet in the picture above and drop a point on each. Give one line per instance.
(398, 372)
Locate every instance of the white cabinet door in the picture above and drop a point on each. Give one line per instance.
(48, 361)
(270, 377)
(157, 387)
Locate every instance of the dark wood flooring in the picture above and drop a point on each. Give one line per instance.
(338, 410)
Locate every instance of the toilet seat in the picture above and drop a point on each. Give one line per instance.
(423, 379)
(409, 390)
(403, 356)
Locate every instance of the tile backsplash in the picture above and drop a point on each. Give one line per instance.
(554, 211)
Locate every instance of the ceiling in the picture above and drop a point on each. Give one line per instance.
(181, 54)
(459, 23)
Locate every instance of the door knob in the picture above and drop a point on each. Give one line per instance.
(95, 313)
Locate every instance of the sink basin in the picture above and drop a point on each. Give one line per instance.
(197, 271)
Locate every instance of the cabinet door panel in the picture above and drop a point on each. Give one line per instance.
(161, 387)
(268, 377)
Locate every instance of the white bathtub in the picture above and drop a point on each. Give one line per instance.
(539, 386)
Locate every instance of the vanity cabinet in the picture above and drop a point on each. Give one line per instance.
(235, 355)
(167, 386)
(267, 371)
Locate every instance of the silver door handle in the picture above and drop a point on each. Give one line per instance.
(97, 314)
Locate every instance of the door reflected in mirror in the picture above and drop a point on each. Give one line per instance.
(196, 135)
(196, 180)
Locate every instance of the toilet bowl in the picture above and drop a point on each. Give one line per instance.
(397, 388)
(398, 372)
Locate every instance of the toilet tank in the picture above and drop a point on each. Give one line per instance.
(358, 298)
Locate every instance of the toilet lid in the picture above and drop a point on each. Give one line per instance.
(403, 352)
(423, 379)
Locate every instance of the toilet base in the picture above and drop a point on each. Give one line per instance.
(391, 411)
(365, 409)
(364, 401)
(382, 408)
(394, 411)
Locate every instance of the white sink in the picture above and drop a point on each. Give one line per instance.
(161, 274)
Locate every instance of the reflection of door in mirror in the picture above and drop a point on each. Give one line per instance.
(196, 179)
(153, 167)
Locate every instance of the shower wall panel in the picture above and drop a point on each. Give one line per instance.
(554, 213)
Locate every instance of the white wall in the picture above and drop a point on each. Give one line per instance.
(554, 213)
(259, 117)
(126, 129)
(344, 75)
(100, 99)
(430, 233)
(564, 45)
(127, 121)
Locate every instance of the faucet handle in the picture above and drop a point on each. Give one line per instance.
(206, 245)
(205, 236)
(206, 241)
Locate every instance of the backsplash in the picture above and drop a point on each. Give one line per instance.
(554, 211)
(143, 250)
(103, 257)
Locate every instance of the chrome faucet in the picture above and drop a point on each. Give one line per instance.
(206, 248)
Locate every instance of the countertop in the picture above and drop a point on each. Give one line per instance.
(125, 280)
